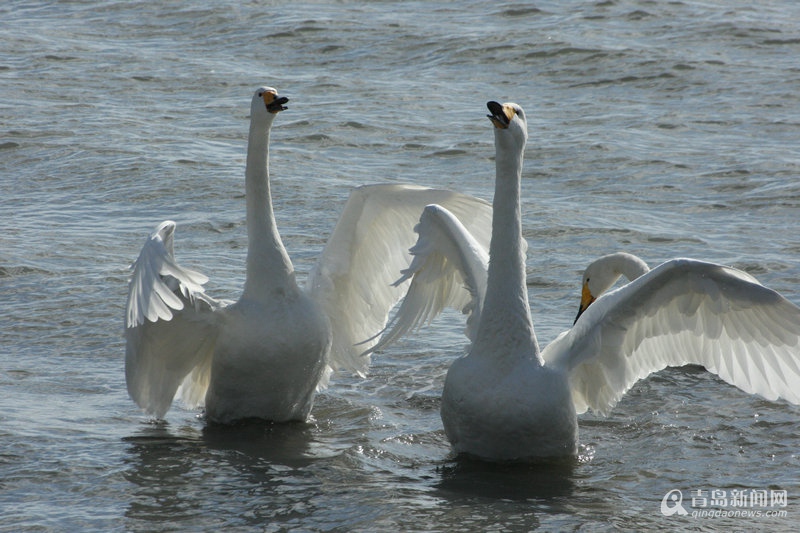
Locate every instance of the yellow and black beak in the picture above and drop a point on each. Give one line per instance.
(500, 114)
(586, 301)
(273, 102)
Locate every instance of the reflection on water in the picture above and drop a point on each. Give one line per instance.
(469, 478)
(168, 467)
(278, 479)
(162, 470)
(287, 444)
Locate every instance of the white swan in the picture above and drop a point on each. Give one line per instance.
(602, 273)
(506, 400)
(265, 355)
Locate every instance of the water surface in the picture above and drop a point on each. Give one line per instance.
(659, 128)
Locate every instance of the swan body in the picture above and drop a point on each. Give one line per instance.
(266, 355)
(271, 354)
(506, 410)
(507, 400)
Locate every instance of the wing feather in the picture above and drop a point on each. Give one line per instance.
(170, 328)
(369, 246)
(156, 277)
(683, 312)
(449, 269)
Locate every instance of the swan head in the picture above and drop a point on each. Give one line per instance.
(509, 120)
(602, 273)
(266, 102)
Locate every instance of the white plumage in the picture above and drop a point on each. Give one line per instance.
(265, 355)
(682, 312)
(506, 400)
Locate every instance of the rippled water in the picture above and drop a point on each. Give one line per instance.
(660, 128)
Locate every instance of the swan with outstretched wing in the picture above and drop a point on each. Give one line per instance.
(266, 354)
(507, 400)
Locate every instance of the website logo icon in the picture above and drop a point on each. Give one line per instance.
(672, 503)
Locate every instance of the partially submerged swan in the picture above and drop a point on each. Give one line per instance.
(506, 399)
(265, 355)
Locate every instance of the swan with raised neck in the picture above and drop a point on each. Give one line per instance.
(499, 400)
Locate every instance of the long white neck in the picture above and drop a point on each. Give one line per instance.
(506, 313)
(605, 271)
(632, 267)
(268, 265)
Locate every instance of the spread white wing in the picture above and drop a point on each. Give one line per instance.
(449, 269)
(170, 327)
(353, 279)
(682, 312)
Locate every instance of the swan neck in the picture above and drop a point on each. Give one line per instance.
(506, 311)
(605, 272)
(632, 267)
(268, 264)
